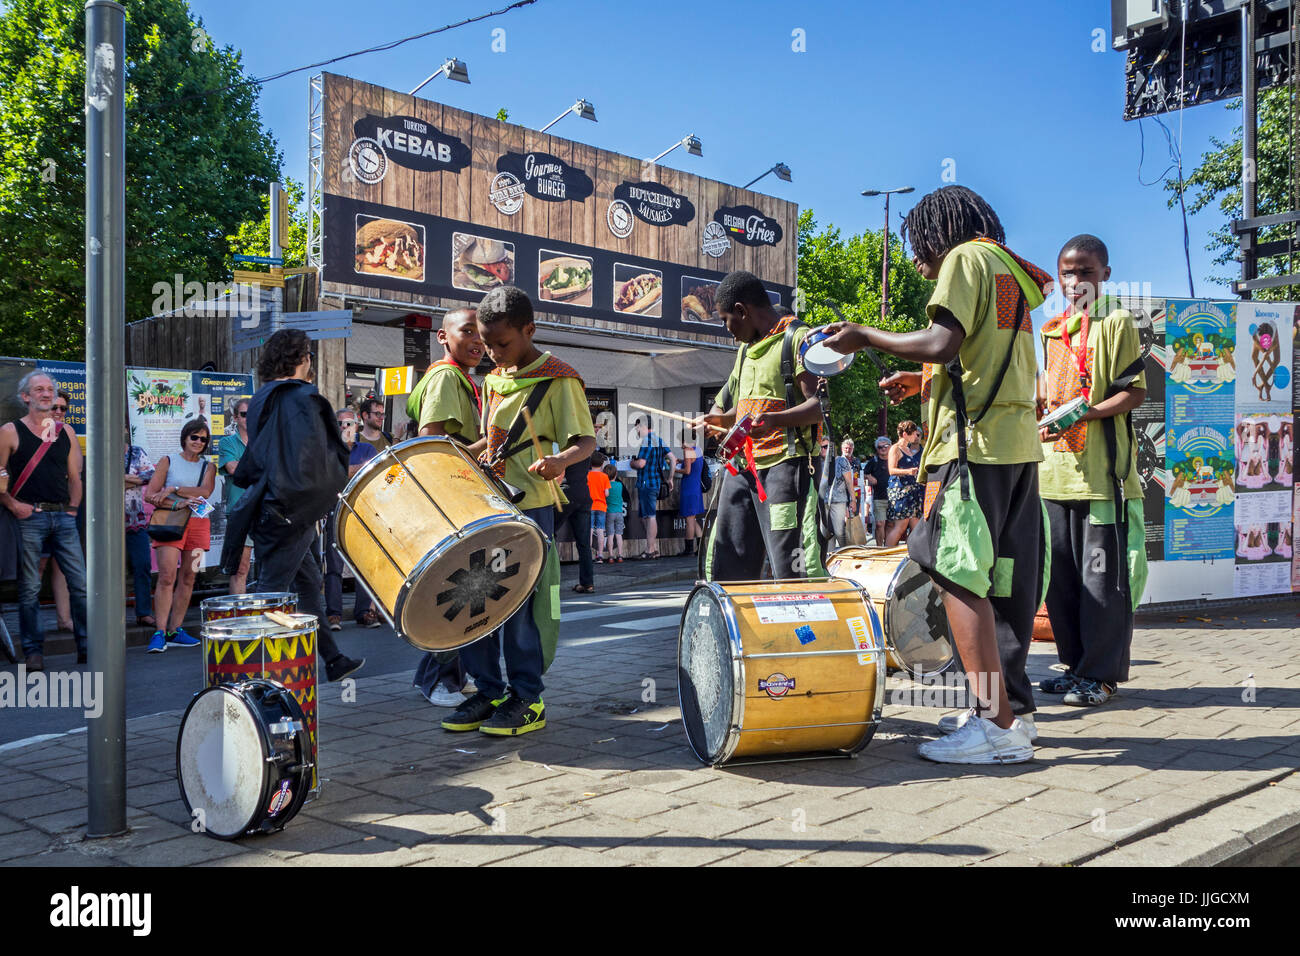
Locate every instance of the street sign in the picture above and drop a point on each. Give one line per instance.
(394, 381)
(261, 260)
(330, 324)
(257, 278)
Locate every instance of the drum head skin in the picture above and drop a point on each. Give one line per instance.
(911, 607)
(824, 362)
(470, 586)
(221, 762)
(706, 675)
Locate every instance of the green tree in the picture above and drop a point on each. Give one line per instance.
(196, 165)
(253, 237)
(848, 271)
(1218, 180)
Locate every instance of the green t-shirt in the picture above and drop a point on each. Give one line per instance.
(1076, 466)
(979, 287)
(229, 449)
(445, 395)
(757, 387)
(563, 417)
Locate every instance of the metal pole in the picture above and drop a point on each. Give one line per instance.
(884, 315)
(276, 188)
(1249, 171)
(105, 408)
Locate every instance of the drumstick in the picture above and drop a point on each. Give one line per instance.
(680, 418)
(537, 447)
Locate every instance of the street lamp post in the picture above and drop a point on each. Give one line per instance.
(581, 108)
(454, 69)
(884, 279)
(692, 144)
(782, 173)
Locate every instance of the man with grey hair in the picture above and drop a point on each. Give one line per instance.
(43, 459)
(230, 449)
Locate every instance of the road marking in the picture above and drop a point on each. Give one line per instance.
(648, 624)
(608, 611)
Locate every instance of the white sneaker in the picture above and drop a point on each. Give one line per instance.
(952, 723)
(442, 697)
(980, 741)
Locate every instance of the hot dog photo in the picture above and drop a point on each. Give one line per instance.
(638, 291)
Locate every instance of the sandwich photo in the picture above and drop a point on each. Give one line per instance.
(386, 247)
(698, 301)
(564, 278)
(638, 291)
(479, 264)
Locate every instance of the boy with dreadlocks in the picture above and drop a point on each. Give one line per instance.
(981, 536)
(1089, 479)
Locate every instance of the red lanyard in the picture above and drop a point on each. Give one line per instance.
(1080, 354)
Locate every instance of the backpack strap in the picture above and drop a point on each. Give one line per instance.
(512, 445)
(787, 375)
(1108, 428)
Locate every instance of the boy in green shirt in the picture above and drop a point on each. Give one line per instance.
(446, 402)
(1089, 480)
(561, 416)
(981, 536)
(768, 510)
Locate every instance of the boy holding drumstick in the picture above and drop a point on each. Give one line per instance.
(981, 536)
(524, 379)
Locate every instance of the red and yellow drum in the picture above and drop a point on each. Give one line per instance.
(244, 648)
(247, 605)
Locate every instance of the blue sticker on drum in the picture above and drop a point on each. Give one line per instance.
(805, 634)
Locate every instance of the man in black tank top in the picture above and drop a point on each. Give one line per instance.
(45, 498)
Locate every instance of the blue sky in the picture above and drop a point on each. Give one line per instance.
(1009, 95)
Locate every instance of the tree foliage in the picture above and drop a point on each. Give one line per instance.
(197, 166)
(1218, 180)
(253, 237)
(848, 271)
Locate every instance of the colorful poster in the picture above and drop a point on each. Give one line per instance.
(1263, 551)
(1200, 345)
(1199, 509)
(215, 393)
(1264, 331)
(70, 377)
(1288, 540)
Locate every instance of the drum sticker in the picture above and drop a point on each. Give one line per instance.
(805, 634)
(776, 685)
(861, 639)
(394, 476)
(280, 799)
(793, 608)
(472, 586)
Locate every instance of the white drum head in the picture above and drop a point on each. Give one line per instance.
(705, 676)
(823, 361)
(221, 761)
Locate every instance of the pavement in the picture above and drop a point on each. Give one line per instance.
(1195, 762)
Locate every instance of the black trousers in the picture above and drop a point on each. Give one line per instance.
(288, 559)
(1091, 620)
(578, 518)
(780, 530)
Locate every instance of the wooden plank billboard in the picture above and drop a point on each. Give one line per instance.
(427, 204)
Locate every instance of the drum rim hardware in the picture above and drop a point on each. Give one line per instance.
(271, 599)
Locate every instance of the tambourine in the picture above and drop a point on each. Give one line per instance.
(1063, 417)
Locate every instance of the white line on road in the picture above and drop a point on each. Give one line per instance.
(648, 623)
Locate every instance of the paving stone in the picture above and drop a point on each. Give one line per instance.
(56, 797)
(672, 850)
(25, 843)
(560, 856)
(186, 850)
(634, 804)
(476, 849)
(706, 820)
(1030, 822)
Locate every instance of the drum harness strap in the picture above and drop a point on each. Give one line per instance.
(955, 373)
(512, 445)
(1123, 381)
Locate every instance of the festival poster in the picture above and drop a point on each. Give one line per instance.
(71, 378)
(214, 393)
(1263, 549)
(1264, 336)
(1290, 540)
(1199, 506)
(1200, 345)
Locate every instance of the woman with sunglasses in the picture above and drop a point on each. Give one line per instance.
(58, 583)
(188, 477)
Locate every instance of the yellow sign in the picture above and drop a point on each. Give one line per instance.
(257, 278)
(395, 381)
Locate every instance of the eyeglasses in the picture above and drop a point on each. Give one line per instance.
(60, 408)
(241, 414)
(202, 438)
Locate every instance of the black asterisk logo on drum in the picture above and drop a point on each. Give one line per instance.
(472, 586)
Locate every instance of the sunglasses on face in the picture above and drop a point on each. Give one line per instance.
(241, 414)
(202, 438)
(60, 408)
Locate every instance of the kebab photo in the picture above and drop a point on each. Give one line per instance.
(565, 279)
(482, 264)
(386, 247)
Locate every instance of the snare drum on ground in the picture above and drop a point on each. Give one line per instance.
(779, 669)
(247, 605)
(447, 558)
(243, 759)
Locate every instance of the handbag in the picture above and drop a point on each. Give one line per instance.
(168, 524)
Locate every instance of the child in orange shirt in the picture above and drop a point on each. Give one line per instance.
(598, 485)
